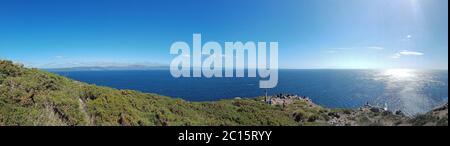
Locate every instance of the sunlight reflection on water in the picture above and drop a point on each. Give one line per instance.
(406, 85)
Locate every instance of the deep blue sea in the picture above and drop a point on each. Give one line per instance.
(412, 91)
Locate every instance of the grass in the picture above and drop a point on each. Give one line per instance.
(35, 97)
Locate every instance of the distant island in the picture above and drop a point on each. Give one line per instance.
(33, 97)
(108, 68)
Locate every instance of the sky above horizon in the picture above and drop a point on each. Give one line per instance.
(338, 34)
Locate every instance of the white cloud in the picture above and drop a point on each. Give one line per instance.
(407, 53)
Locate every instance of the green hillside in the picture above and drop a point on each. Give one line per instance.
(35, 97)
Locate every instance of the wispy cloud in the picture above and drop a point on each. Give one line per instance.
(407, 53)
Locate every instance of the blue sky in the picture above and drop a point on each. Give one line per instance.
(311, 33)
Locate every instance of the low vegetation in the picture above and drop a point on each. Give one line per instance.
(35, 97)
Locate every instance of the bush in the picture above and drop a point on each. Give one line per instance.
(303, 116)
(443, 122)
(10, 69)
(2, 77)
(347, 111)
(422, 120)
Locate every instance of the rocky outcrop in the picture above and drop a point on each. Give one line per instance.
(436, 117)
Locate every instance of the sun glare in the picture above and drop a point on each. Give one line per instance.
(400, 73)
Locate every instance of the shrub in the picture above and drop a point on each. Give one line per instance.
(2, 77)
(443, 122)
(10, 69)
(303, 116)
(347, 111)
(421, 120)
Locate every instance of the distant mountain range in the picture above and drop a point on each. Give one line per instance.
(109, 68)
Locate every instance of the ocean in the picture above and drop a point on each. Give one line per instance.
(411, 91)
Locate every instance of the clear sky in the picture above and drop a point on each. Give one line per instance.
(311, 33)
